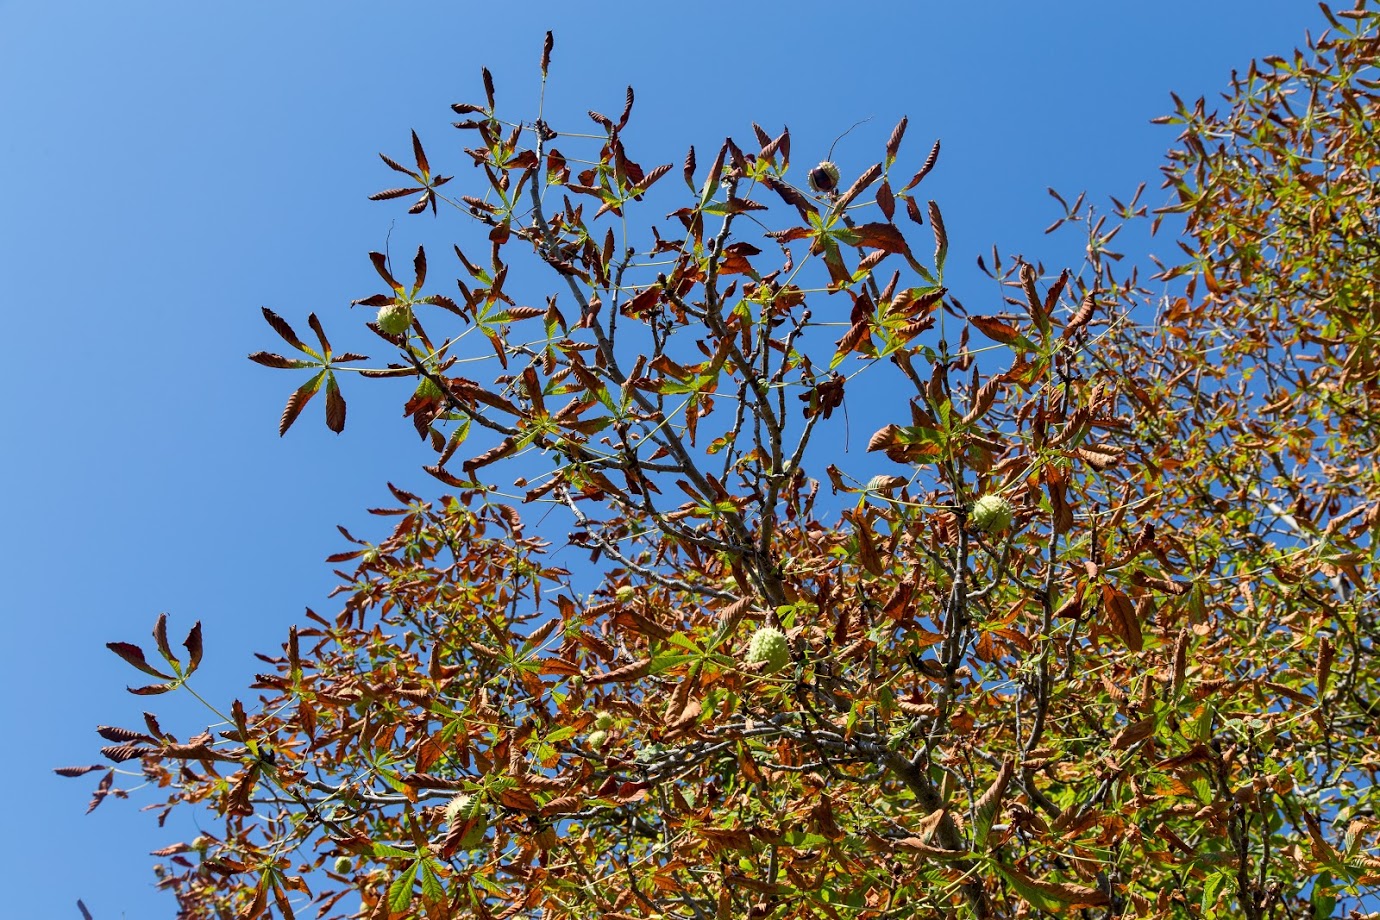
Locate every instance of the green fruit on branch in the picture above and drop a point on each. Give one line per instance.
(395, 318)
(343, 864)
(625, 594)
(991, 512)
(597, 738)
(603, 721)
(770, 648)
(467, 808)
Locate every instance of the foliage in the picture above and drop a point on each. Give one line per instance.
(1149, 692)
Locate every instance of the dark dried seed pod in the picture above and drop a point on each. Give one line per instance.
(824, 177)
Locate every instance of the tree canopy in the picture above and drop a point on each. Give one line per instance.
(1089, 630)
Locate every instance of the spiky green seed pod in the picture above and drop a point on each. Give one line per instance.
(991, 512)
(395, 318)
(824, 177)
(464, 808)
(343, 864)
(596, 739)
(625, 594)
(770, 647)
(603, 721)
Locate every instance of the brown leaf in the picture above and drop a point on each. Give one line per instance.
(281, 327)
(893, 143)
(870, 175)
(886, 200)
(1069, 895)
(1121, 617)
(1322, 671)
(335, 406)
(627, 672)
(102, 790)
(422, 165)
(855, 337)
(380, 263)
(547, 44)
(989, 803)
(134, 655)
(1323, 851)
(941, 236)
(297, 402)
(390, 193)
(160, 638)
(650, 179)
(268, 359)
(925, 169)
(912, 845)
(995, 329)
(1058, 499)
(492, 455)
(153, 689)
(419, 270)
(790, 195)
(398, 167)
(122, 752)
(115, 733)
(886, 237)
(1099, 459)
(867, 550)
(913, 211)
(1083, 315)
(77, 771)
(982, 401)
(1133, 733)
(884, 438)
(734, 612)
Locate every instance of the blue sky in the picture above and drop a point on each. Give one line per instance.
(170, 167)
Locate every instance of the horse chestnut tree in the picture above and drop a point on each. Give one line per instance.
(1140, 682)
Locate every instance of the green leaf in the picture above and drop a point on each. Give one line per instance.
(1211, 889)
(1322, 897)
(663, 662)
(400, 892)
(433, 889)
(685, 642)
(387, 851)
(560, 734)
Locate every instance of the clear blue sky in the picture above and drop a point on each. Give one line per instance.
(170, 167)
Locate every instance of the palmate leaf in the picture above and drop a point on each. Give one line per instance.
(324, 360)
(426, 182)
